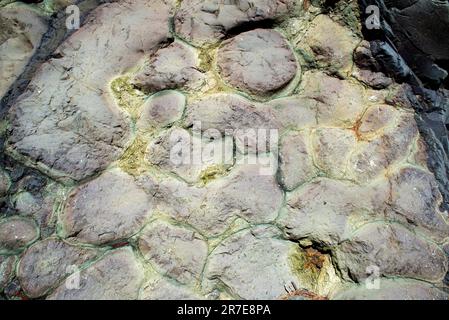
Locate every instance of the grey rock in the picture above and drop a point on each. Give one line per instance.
(394, 250)
(116, 276)
(161, 110)
(7, 270)
(415, 196)
(5, 183)
(172, 67)
(66, 122)
(190, 156)
(326, 210)
(177, 252)
(332, 149)
(159, 288)
(17, 233)
(251, 264)
(22, 31)
(46, 263)
(393, 289)
(108, 208)
(332, 50)
(224, 111)
(258, 61)
(206, 22)
(296, 163)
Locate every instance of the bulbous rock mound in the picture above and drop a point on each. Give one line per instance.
(210, 149)
(258, 61)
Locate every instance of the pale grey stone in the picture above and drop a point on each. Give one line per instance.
(21, 32)
(108, 208)
(251, 264)
(173, 67)
(206, 22)
(160, 288)
(46, 263)
(393, 249)
(66, 121)
(393, 289)
(116, 276)
(177, 252)
(258, 61)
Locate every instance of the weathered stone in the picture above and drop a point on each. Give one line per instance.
(7, 267)
(415, 196)
(66, 121)
(172, 67)
(332, 148)
(251, 264)
(108, 208)
(296, 163)
(5, 183)
(295, 112)
(326, 210)
(159, 288)
(161, 110)
(394, 250)
(17, 233)
(248, 191)
(376, 80)
(330, 44)
(202, 22)
(390, 145)
(22, 29)
(177, 252)
(228, 111)
(190, 156)
(258, 61)
(339, 102)
(393, 289)
(45, 264)
(117, 276)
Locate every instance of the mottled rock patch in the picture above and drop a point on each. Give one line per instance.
(109, 208)
(16, 233)
(258, 61)
(45, 264)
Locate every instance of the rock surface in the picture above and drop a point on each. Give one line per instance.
(16, 233)
(109, 208)
(258, 61)
(303, 172)
(22, 31)
(45, 264)
(117, 276)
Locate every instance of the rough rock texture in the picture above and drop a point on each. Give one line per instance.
(16, 233)
(252, 264)
(7, 267)
(394, 250)
(305, 172)
(159, 288)
(177, 252)
(394, 290)
(172, 67)
(109, 208)
(21, 32)
(203, 22)
(258, 61)
(66, 121)
(330, 44)
(45, 264)
(117, 276)
(161, 110)
(5, 183)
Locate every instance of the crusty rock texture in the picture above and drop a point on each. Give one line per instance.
(210, 149)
